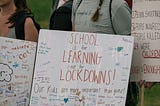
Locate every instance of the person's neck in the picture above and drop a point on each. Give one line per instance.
(7, 10)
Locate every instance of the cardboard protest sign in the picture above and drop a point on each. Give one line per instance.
(146, 31)
(16, 69)
(81, 69)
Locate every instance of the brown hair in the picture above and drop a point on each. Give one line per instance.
(21, 5)
(96, 14)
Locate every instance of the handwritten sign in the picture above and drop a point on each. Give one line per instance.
(146, 30)
(16, 69)
(81, 69)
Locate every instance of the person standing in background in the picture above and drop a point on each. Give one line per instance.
(17, 21)
(61, 17)
(108, 17)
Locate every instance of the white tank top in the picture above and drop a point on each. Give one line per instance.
(11, 33)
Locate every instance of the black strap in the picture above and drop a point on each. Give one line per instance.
(110, 13)
(77, 7)
(68, 4)
(19, 24)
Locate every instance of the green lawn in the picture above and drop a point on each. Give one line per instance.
(152, 96)
(41, 10)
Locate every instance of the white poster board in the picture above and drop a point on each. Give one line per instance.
(146, 30)
(16, 69)
(81, 69)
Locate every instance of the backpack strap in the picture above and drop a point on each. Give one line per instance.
(77, 6)
(68, 4)
(110, 13)
(19, 24)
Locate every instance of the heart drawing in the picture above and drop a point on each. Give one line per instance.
(65, 100)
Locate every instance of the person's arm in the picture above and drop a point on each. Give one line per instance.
(73, 27)
(31, 33)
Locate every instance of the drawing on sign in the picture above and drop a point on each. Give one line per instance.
(5, 73)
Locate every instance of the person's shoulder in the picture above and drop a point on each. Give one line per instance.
(24, 14)
(67, 7)
(68, 4)
(24, 19)
(29, 21)
(117, 4)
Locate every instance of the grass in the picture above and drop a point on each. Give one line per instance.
(152, 96)
(41, 11)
